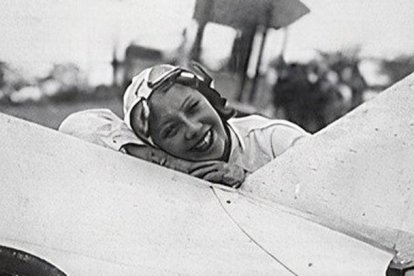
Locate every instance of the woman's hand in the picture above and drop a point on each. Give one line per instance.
(213, 171)
(159, 157)
(219, 172)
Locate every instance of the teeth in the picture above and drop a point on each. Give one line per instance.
(207, 137)
(205, 140)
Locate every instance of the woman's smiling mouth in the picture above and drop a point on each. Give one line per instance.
(204, 143)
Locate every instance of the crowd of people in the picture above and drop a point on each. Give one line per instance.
(314, 94)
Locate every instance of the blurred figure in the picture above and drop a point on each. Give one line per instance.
(315, 94)
(10, 82)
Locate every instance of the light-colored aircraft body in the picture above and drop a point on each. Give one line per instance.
(337, 204)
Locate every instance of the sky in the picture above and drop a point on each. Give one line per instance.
(380, 27)
(37, 33)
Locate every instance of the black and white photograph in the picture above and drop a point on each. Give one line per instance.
(207, 137)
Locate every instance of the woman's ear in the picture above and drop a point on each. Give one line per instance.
(139, 119)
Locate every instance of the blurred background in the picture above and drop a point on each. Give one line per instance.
(309, 62)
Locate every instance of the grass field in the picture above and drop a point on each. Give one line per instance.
(52, 114)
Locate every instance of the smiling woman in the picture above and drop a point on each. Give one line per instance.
(179, 112)
(174, 116)
(185, 124)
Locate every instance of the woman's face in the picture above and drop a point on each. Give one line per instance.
(184, 124)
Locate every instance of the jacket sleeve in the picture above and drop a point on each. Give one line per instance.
(285, 135)
(101, 127)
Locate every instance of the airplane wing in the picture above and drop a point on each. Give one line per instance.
(330, 206)
(356, 175)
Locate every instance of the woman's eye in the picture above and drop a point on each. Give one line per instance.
(193, 107)
(169, 131)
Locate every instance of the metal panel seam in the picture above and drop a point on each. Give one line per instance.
(250, 237)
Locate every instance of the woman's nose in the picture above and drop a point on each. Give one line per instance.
(193, 128)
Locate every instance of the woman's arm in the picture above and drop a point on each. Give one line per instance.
(285, 135)
(104, 128)
(213, 171)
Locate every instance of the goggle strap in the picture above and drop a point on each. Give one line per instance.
(166, 75)
(207, 78)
